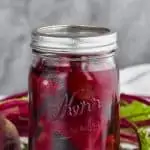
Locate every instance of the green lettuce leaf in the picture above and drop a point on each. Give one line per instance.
(25, 147)
(136, 111)
(144, 138)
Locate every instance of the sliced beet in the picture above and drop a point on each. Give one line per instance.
(84, 101)
(90, 88)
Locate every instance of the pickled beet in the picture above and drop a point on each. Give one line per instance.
(79, 105)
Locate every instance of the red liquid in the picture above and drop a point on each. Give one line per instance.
(72, 109)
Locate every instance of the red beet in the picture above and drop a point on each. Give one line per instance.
(17, 112)
(9, 137)
(129, 98)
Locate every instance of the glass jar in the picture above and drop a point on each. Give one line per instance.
(73, 89)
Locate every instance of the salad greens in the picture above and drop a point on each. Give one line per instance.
(144, 139)
(138, 114)
(25, 147)
(136, 111)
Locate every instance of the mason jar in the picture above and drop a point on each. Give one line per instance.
(74, 89)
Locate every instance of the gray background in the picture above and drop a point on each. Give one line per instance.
(130, 18)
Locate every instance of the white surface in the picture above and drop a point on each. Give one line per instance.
(1, 97)
(135, 80)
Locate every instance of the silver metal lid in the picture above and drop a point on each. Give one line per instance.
(63, 39)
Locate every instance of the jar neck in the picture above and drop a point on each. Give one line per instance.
(92, 63)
